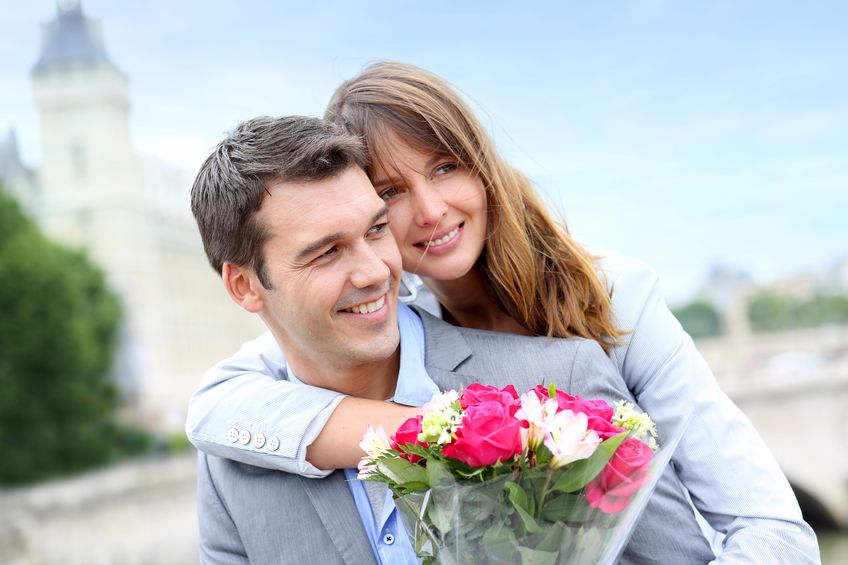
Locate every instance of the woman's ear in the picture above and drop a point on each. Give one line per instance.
(244, 288)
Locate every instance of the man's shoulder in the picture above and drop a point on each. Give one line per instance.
(505, 343)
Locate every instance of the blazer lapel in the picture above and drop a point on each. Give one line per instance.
(446, 348)
(334, 504)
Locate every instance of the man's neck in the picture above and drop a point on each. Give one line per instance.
(376, 380)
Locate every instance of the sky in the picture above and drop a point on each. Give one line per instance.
(688, 134)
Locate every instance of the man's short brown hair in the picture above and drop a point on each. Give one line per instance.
(230, 185)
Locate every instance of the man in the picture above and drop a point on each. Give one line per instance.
(291, 221)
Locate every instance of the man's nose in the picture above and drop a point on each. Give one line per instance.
(369, 268)
(429, 204)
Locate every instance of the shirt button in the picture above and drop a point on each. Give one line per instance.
(232, 435)
(258, 441)
(388, 539)
(273, 443)
(244, 437)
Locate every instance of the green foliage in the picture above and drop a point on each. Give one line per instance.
(699, 319)
(57, 336)
(581, 472)
(769, 311)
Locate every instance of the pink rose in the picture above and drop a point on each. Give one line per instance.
(407, 434)
(622, 476)
(489, 433)
(477, 393)
(599, 412)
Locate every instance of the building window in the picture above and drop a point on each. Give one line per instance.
(78, 161)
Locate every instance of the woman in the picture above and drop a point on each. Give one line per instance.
(473, 229)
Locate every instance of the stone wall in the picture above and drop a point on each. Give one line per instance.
(135, 513)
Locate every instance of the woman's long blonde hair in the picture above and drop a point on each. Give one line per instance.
(538, 274)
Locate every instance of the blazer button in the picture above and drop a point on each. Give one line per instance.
(232, 435)
(258, 441)
(244, 437)
(273, 443)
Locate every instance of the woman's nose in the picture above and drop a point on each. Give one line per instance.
(430, 206)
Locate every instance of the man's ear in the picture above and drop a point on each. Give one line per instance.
(244, 288)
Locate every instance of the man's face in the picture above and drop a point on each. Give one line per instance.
(334, 267)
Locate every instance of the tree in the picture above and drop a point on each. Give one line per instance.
(58, 331)
(699, 319)
(770, 311)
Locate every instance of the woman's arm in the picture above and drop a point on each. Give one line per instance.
(731, 476)
(246, 410)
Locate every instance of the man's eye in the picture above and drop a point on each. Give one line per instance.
(389, 193)
(378, 229)
(327, 254)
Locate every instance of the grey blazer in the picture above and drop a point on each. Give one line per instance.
(256, 515)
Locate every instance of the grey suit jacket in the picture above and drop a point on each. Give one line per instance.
(256, 515)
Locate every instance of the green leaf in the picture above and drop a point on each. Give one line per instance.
(543, 456)
(500, 540)
(563, 507)
(402, 471)
(438, 473)
(519, 500)
(537, 557)
(578, 474)
(552, 538)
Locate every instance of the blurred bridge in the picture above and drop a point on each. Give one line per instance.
(794, 388)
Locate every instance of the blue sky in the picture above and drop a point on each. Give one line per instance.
(685, 133)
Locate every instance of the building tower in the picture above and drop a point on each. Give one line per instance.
(90, 193)
(83, 99)
(96, 193)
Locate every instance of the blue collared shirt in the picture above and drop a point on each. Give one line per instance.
(389, 541)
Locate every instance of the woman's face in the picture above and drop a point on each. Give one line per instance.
(437, 210)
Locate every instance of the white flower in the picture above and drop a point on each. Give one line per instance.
(637, 423)
(568, 438)
(442, 417)
(441, 402)
(374, 443)
(538, 415)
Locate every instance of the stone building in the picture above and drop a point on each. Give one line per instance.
(130, 213)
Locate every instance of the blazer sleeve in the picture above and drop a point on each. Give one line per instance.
(220, 543)
(732, 477)
(246, 410)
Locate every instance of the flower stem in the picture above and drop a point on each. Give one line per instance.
(549, 475)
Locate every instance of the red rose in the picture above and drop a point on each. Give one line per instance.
(407, 434)
(489, 433)
(622, 476)
(599, 412)
(477, 393)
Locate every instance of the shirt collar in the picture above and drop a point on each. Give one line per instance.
(414, 386)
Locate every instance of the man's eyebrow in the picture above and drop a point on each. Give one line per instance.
(316, 246)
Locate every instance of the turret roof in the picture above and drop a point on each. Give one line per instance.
(71, 37)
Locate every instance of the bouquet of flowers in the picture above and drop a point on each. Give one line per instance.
(486, 475)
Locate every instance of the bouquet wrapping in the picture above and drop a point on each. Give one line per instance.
(486, 475)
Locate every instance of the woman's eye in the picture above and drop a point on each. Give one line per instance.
(444, 169)
(389, 193)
